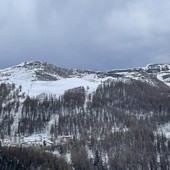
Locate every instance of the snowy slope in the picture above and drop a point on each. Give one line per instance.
(33, 85)
(38, 77)
(58, 87)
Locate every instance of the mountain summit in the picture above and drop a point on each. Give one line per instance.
(41, 71)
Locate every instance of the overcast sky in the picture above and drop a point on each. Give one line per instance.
(88, 34)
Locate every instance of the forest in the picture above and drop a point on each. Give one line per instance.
(116, 127)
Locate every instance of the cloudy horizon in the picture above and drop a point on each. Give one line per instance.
(96, 35)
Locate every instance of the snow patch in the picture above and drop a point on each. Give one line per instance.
(165, 129)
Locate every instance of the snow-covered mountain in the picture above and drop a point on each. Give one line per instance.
(39, 77)
(42, 104)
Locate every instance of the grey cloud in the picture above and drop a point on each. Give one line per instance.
(96, 34)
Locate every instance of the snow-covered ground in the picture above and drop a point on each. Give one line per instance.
(165, 80)
(165, 129)
(60, 86)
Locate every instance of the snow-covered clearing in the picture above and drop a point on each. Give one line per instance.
(165, 129)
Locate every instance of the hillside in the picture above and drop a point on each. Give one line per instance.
(35, 77)
(117, 119)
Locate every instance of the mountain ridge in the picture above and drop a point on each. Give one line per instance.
(35, 73)
(46, 67)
